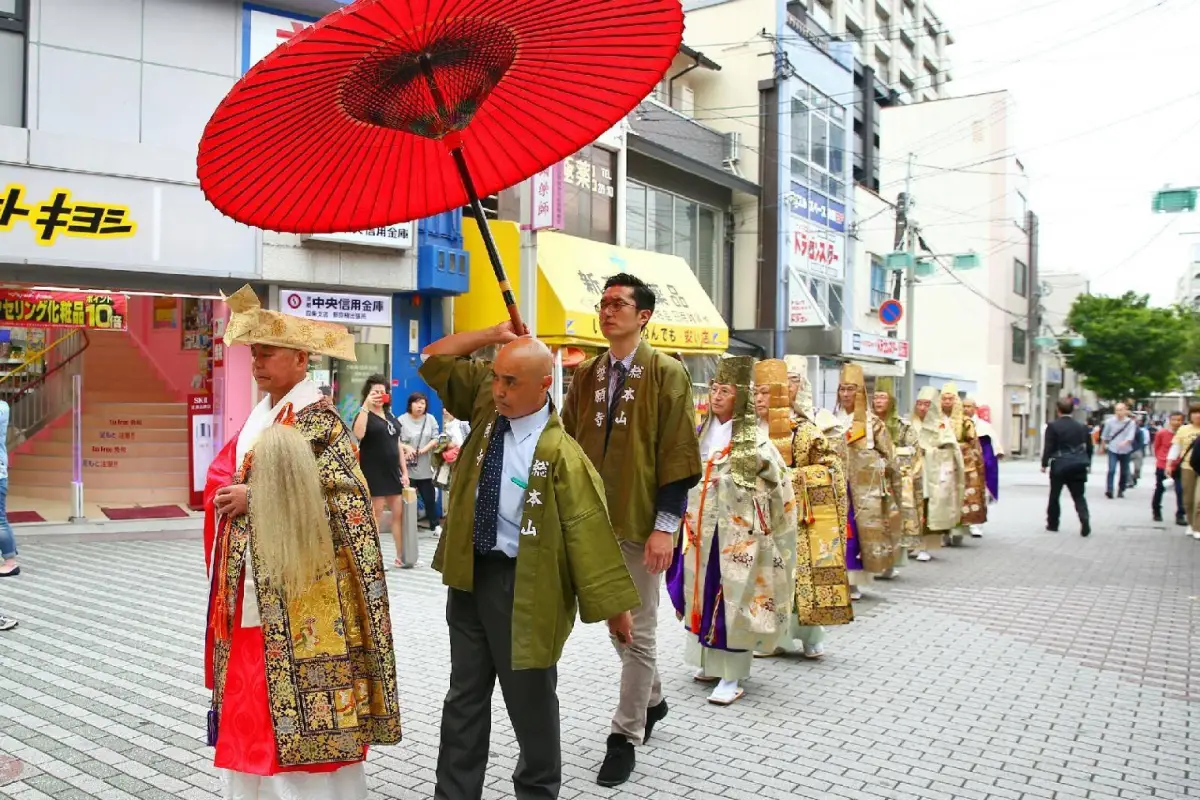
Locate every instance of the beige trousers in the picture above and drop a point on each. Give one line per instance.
(641, 687)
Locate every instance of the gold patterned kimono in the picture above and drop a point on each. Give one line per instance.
(744, 505)
(822, 582)
(944, 479)
(874, 486)
(330, 664)
(910, 464)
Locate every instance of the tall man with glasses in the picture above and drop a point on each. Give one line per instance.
(631, 410)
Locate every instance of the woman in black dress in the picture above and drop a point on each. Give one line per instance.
(378, 433)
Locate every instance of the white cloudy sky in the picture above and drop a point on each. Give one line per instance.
(1086, 77)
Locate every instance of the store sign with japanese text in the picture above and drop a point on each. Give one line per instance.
(813, 206)
(350, 309)
(100, 312)
(402, 236)
(675, 322)
(88, 220)
(861, 343)
(802, 308)
(817, 251)
(547, 196)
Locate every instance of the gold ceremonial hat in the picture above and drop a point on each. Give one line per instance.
(771, 370)
(927, 393)
(885, 384)
(250, 323)
(950, 387)
(853, 373)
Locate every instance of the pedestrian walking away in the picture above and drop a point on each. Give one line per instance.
(1067, 454)
(1118, 438)
(1162, 449)
(1179, 462)
(631, 410)
(527, 543)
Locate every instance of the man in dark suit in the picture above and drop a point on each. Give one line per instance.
(1067, 453)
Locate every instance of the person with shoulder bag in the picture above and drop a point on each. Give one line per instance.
(1179, 462)
(1067, 454)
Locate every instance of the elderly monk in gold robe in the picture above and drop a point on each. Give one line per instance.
(943, 476)
(822, 587)
(299, 652)
(732, 583)
(909, 464)
(974, 503)
(873, 481)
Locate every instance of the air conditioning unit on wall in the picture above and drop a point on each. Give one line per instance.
(733, 147)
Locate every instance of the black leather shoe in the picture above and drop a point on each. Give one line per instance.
(1158, 516)
(618, 761)
(1052, 528)
(654, 714)
(1181, 520)
(1086, 530)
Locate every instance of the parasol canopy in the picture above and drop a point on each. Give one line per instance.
(347, 125)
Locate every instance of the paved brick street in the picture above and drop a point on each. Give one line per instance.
(1025, 665)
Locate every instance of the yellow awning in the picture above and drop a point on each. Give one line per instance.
(571, 276)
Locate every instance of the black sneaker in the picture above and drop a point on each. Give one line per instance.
(618, 761)
(1181, 520)
(1052, 528)
(1158, 516)
(1108, 495)
(1086, 529)
(654, 714)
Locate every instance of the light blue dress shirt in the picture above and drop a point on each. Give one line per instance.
(520, 442)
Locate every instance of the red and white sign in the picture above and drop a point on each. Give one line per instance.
(201, 445)
(861, 343)
(265, 29)
(817, 250)
(547, 196)
(802, 307)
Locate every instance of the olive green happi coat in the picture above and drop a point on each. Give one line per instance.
(568, 557)
(653, 440)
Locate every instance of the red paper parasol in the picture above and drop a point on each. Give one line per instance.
(393, 110)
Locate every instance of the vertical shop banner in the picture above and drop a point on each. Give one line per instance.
(547, 199)
(99, 312)
(802, 308)
(201, 446)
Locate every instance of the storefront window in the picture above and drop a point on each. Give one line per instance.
(674, 225)
(590, 206)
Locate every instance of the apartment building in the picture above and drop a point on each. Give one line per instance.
(1187, 289)
(969, 190)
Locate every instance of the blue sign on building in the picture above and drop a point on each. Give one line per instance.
(837, 216)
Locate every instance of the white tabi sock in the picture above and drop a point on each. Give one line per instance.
(726, 691)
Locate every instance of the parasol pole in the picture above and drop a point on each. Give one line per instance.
(453, 143)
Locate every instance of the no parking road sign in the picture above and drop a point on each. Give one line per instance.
(891, 312)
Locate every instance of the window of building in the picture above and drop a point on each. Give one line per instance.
(819, 141)
(1020, 278)
(1019, 344)
(879, 287)
(14, 15)
(590, 205)
(883, 18)
(909, 45)
(853, 32)
(675, 225)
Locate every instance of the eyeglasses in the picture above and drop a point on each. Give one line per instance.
(719, 390)
(612, 306)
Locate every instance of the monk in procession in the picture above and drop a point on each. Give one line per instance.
(992, 450)
(631, 410)
(821, 586)
(906, 440)
(872, 479)
(299, 653)
(732, 583)
(527, 544)
(974, 503)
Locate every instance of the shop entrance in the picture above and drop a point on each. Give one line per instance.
(98, 385)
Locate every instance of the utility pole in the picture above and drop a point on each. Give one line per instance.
(910, 292)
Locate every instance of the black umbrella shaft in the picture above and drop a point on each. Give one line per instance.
(510, 300)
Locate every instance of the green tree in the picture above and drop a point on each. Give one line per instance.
(1133, 349)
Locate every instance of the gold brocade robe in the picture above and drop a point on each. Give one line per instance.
(568, 559)
(331, 669)
(875, 489)
(943, 479)
(974, 506)
(753, 528)
(653, 438)
(910, 465)
(822, 582)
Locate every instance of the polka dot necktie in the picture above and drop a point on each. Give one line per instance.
(487, 503)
